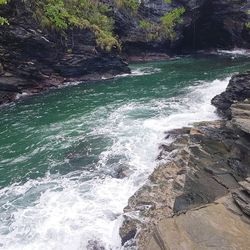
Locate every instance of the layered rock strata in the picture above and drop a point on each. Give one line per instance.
(203, 173)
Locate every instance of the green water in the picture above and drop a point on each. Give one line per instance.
(62, 150)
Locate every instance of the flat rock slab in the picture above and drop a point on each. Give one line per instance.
(209, 227)
(242, 124)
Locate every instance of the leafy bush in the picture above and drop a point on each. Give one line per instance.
(170, 20)
(247, 25)
(151, 29)
(145, 25)
(129, 4)
(166, 27)
(2, 19)
(61, 15)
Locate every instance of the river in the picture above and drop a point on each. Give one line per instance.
(70, 158)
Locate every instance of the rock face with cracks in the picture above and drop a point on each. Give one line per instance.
(200, 187)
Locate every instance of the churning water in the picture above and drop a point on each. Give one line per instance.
(72, 157)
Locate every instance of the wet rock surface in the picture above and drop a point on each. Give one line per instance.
(202, 164)
(237, 90)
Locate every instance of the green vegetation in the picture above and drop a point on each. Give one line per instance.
(170, 20)
(152, 30)
(248, 23)
(167, 26)
(146, 25)
(61, 15)
(2, 19)
(130, 4)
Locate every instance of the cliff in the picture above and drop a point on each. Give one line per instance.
(33, 58)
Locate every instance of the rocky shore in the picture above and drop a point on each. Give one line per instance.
(198, 196)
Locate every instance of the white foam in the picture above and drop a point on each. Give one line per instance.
(66, 212)
(18, 96)
(141, 71)
(234, 52)
(192, 107)
(134, 72)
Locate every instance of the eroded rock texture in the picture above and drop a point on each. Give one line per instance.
(202, 165)
(203, 228)
(237, 90)
(33, 59)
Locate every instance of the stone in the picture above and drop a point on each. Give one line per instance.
(243, 201)
(245, 185)
(242, 124)
(204, 163)
(202, 228)
(1, 69)
(237, 90)
(242, 111)
(240, 114)
(227, 180)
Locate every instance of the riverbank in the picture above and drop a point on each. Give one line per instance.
(202, 177)
(72, 157)
(39, 51)
(13, 87)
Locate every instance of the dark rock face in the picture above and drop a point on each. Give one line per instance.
(216, 24)
(207, 24)
(133, 37)
(33, 60)
(237, 90)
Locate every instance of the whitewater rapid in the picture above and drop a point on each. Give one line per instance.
(84, 208)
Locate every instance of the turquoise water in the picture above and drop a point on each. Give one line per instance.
(70, 158)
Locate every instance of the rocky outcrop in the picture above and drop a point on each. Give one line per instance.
(33, 60)
(206, 227)
(216, 24)
(241, 116)
(206, 24)
(237, 90)
(242, 199)
(201, 165)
